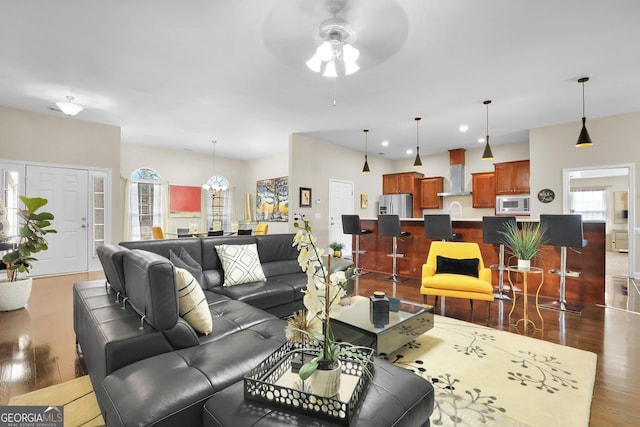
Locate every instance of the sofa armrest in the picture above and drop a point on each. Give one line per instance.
(485, 274)
(428, 270)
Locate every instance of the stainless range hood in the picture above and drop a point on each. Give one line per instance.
(456, 174)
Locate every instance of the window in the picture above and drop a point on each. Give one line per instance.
(147, 201)
(591, 203)
(219, 202)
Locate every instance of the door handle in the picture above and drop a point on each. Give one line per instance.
(84, 226)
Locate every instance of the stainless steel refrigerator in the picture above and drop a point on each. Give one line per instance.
(396, 204)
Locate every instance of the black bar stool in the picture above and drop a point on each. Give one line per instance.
(389, 225)
(351, 225)
(564, 231)
(438, 227)
(492, 228)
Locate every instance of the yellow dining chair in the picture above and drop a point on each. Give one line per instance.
(157, 233)
(262, 229)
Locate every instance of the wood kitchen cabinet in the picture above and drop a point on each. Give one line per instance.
(512, 177)
(430, 187)
(400, 183)
(483, 187)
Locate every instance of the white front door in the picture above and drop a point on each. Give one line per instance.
(340, 202)
(66, 191)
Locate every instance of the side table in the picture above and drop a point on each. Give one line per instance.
(526, 320)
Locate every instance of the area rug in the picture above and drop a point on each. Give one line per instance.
(487, 377)
(77, 397)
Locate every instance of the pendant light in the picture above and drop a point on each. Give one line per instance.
(584, 140)
(417, 163)
(487, 154)
(365, 168)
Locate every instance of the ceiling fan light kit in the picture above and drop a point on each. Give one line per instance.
(68, 107)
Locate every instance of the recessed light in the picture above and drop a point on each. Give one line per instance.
(409, 151)
(464, 128)
(385, 143)
(480, 140)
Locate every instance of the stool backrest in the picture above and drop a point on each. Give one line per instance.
(438, 226)
(351, 224)
(389, 225)
(244, 232)
(563, 230)
(494, 226)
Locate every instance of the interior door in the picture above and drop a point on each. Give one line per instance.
(340, 202)
(66, 191)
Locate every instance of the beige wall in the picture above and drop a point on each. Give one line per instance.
(65, 141)
(552, 148)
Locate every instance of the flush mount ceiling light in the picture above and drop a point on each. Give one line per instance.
(365, 168)
(417, 163)
(335, 55)
(216, 182)
(584, 140)
(487, 154)
(68, 107)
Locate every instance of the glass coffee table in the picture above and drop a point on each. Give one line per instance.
(407, 320)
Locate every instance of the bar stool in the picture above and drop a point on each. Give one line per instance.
(351, 225)
(438, 227)
(389, 225)
(492, 228)
(564, 231)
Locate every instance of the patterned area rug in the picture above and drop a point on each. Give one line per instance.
(77, 397)
(486, 377)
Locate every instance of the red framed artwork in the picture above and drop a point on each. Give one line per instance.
(184, 200)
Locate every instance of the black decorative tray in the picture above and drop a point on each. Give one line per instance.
(273, 382)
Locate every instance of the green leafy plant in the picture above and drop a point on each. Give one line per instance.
(524, 241)
(36, 226)
(336, 246)
(322, 301)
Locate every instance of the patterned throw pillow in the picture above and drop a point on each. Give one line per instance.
(240, 264)
(192, 302)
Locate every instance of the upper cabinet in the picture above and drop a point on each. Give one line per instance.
(401, 183)
(512, 177)
(430, 187)
(483, 190)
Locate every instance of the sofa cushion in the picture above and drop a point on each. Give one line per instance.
(240, 264)
(466, 266)
(192, 302)
(111, 259)
(185, 261)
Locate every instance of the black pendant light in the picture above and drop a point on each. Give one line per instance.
(487, 154)
(365, 168)
(417, 163)
(584, 140)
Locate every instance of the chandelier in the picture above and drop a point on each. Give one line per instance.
(68, 107)
(335, 55)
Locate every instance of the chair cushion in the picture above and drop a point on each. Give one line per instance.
(466, 266)
(186, 261)
(240, 264)
(192, 302)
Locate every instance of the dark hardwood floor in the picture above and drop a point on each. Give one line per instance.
(37, 345)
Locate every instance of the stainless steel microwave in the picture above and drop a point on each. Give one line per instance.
(515, 205)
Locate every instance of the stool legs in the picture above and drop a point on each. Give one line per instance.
(501, 267)
(562, 304)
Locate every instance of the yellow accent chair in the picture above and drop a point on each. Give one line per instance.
(157, 233)
(450, 283)
(262, 229)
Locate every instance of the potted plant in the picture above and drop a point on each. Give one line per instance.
(524, 241)
(336, 247)
(15, 290)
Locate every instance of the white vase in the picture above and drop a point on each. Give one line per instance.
(14, 295)
(326, 382)
(524, 264)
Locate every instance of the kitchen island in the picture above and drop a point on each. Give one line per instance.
(589, 261)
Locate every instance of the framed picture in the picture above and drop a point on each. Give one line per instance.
(364, 201)
(305, 197)
(272, 199)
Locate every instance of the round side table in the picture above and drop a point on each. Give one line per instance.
(526, 320)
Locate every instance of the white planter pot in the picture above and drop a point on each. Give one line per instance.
(325, 383)
(14, 295)
(524, 264)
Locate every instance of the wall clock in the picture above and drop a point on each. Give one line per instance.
(546, 195)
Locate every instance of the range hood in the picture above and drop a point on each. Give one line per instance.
(456, 174)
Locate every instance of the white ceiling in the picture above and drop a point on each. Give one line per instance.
(180, 74)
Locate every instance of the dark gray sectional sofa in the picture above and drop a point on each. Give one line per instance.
(150, 368)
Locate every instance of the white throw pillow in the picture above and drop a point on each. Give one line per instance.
(192, 302)
(240, 264)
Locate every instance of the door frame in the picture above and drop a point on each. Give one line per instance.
(347, 241)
